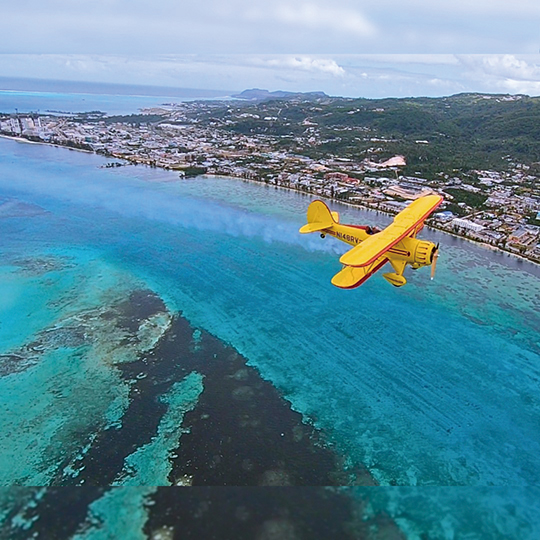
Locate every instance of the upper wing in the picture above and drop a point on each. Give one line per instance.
(405, 224)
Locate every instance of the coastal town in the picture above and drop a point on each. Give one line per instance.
(496, 207)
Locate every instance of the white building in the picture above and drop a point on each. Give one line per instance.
(467, 225)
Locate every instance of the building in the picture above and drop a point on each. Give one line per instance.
(467, 225)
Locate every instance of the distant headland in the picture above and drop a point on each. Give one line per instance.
(258, 94)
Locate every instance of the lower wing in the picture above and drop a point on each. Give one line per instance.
(353, 276)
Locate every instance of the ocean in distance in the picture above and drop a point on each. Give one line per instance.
(28, 95)
(432, 388)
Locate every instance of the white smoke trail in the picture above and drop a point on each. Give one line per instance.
(162, 203)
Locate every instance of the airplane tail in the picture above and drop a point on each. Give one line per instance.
(319, 217)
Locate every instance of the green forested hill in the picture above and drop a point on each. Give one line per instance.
(464, 131)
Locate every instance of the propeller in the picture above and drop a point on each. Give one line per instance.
(434, 261)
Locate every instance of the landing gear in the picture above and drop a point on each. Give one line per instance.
(323, 235)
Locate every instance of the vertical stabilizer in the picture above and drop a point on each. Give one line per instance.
(319, 218)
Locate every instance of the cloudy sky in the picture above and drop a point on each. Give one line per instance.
(343, 47)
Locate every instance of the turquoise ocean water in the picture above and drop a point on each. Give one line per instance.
(435, 384)
(38, 95)
(24, 102)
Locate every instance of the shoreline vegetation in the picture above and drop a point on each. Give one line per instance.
(354, 204)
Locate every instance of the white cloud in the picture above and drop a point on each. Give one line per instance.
(346, 75)
(270, 27)
(320, 17)
(485, 8)
(505, 73)
(509, 66)
(304, 63)
(404, 58)
(510, 86)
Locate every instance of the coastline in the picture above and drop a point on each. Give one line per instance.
(56, 145)
(344, 202)
(387, 213)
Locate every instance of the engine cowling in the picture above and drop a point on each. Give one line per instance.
(423, 253)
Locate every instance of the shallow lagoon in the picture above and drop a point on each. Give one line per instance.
(434, 384)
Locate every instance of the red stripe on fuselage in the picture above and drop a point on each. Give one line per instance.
(363, 227)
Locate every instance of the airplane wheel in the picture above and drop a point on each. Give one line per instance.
(323, 235)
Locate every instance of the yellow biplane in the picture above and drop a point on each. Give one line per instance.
(397, 244)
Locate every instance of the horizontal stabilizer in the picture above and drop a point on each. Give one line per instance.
(314, 227)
